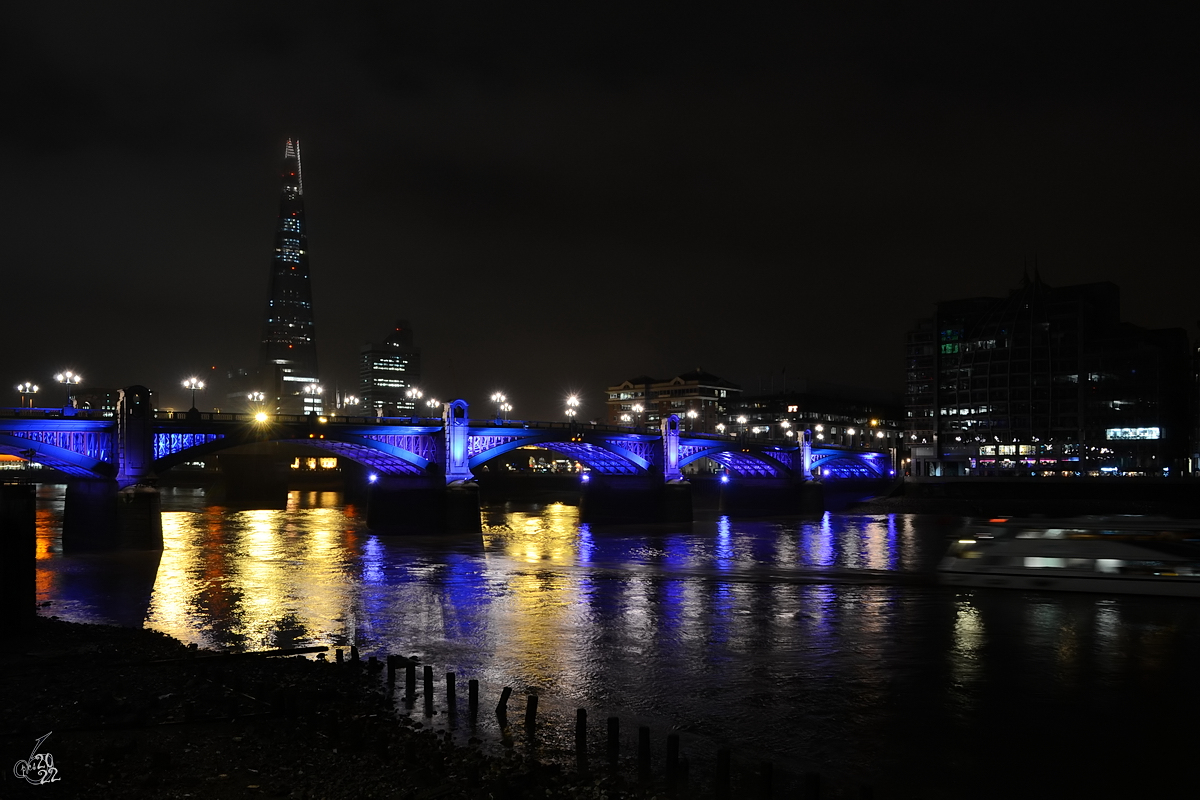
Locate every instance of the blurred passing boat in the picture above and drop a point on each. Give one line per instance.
(1128, 555)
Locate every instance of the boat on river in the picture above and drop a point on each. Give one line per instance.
(1127, 555)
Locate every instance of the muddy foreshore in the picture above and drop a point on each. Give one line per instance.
(135, 713)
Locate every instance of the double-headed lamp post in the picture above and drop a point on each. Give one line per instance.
(29, 389)
(193, 384)
(572, 409)
(312, 402)
(67, 379)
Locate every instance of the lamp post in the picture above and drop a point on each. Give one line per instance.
(312, 401)
(637, 410)
(572, 409)
(29, 389)
(504, 409)
(498, 398)
(691, 415)
(193, 384)
(433, 403)
(721, 428)
(742, 422)
(67, 379)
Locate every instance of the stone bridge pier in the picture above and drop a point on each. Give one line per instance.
(122, 511)
(628, 499)
(444, 499)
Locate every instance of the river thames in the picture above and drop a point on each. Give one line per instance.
(820, 643)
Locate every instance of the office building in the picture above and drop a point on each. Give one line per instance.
(1046, 381)
(390, 375)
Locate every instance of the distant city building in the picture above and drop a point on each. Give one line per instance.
(93, 398)
(288, 364)
(390, 374)
(836, 415)
(1047, 381)
(700, 399)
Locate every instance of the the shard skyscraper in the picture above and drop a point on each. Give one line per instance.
(288, 366)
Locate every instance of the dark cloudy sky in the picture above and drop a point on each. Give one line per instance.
(560, 198)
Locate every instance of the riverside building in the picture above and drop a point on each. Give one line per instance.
(1047, 381)
(700, 399)
(835, 415)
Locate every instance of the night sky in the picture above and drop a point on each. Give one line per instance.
(563, 197)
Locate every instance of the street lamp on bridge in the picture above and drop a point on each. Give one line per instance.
(29, 389)
(572, 408)
(193, 384)
(691, 415)
(68, 379)
(312, 399)
(257, 402)
(498, 398)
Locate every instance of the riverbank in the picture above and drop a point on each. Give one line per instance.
(135, 713)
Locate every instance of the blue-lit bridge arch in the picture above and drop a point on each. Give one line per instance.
(80, 451)
(87, 448)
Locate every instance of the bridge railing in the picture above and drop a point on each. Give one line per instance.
(57, 412)
(296, 419)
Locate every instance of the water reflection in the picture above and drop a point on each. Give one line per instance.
(726, 629)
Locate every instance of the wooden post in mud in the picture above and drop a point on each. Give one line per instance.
(502, 706)
(643, 754)
(581, 740)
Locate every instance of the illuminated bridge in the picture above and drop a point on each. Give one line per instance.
(130, 447)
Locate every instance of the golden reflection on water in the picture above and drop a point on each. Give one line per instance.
(272, 578)
(536, 617)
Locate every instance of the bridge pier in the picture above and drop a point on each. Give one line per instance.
(97, 515)
(768, 497)
(252, 480)
(90, 516)
(423, 504)
(18, 555)
(626, 499)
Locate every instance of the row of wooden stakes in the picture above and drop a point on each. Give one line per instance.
(676, 768)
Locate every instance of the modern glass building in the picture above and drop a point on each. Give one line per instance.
(288, 367)
(1046, 381)
(389, 376)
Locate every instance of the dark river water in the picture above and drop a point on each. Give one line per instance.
(819, 643)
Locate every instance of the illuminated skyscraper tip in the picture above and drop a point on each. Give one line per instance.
(289, 352)
(292, 151)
